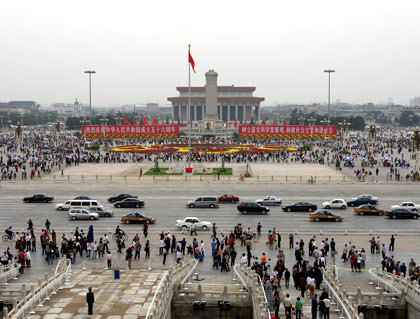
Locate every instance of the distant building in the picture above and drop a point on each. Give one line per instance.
(152, 107)
(213, 102)
(20, 106)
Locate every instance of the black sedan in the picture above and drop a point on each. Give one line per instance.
(129, 203)
(246, 208)
(120, 197)
(300, 207)
(402, 213)
(361, 201)
(38, 198)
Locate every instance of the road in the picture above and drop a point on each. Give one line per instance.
(166, 201)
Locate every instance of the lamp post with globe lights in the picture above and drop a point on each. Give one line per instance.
(344, 132)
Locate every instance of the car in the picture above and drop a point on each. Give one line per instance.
(38, 198)
(368, 195)
(300, 207)
(78, 203)
(325, 215)
(334, 203)
(408, 205)
(402, 213)
(81, 213)
(269, 201)
(129, 203)
(136, 217)
(204, 201)
(246, 208)
(101, 211)
(186, 223)
(368, 210)
(228, 198)
(360, 201)
(120, 197)
(83, 197)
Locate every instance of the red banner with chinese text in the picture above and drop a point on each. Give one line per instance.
(132, 131)
(288, 131)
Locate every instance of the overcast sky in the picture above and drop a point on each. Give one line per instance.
(139, 49)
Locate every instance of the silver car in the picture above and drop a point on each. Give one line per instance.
(102, 212)
(269, 200)
(205, 201)
(82, 214)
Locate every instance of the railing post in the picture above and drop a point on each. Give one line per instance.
(5, 313)
(96, 177)
(68, 177)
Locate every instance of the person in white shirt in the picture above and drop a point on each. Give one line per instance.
(28, 259)
(244, 259)
(327, 303)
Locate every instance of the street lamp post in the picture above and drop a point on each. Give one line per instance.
(90, 94)
(118, 120)
(287, 119)
(372, 137)
(329, 71)
(344, 132)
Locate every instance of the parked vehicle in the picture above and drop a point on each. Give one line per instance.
(120, 197)
(129, 203)
(402, 213)
(82, 214)
(38, 198)
(334, 203)
(246, 208)
(269, 201)
(204, 201)
(300, 207)
(187, 222)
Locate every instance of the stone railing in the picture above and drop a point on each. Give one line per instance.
(7, 273)
(36, 296)
(253, 283)
(161, 301)
(407, 288)
(338, 296)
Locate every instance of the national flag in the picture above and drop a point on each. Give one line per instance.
(226, 124)
(182, 122)
(134, 121)
(235, 123)
(284, 122)
(191, 60)
(293, 121)
(163, 122)
(145, 121)
(155, 122)
(126, 122)
(264, 122)
(274, 121)
(172, 121)
(191, 123)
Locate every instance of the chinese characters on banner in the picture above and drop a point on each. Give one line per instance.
(129, 131)
(288, 131)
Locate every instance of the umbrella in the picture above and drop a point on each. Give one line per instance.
(362, 158)
(348, 158)
(90, 235)
(384, 158)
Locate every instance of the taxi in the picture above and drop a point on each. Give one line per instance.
(325, 215)
(137, 218)
(368, 210)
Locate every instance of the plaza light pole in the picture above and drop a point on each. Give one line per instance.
(118, 120)
(325, 122)
(84, 122)
(58, 126)
(344, 132)
(372, 137)
(416, 145)
(104, 122)
(301, 121)
(287, 119)
(90, 94)
(311, 125)
(329, 71)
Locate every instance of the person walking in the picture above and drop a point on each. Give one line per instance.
(391, 243)
(145, 229)
(314, 306)
(147, 249)
(108, 259)
(287, 303)
(276, 305)
(90, 299)
(298, 308)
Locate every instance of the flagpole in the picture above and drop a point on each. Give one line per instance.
(189, 108)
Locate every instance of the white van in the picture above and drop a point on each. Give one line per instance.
(78, 203)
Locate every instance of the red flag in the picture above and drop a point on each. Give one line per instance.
(172, 121)
(163, 122)
(145, 121)
(191, 123)
(226, 123)
(274, 121)
(155, 122)
(134, 121)
(245, 121)
(126, 122)
(190, 59)
(293, 121)
(264, 122)
(236, 123)
(182, 123)
(284, 122)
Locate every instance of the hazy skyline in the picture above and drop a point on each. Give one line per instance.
(139, 49)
